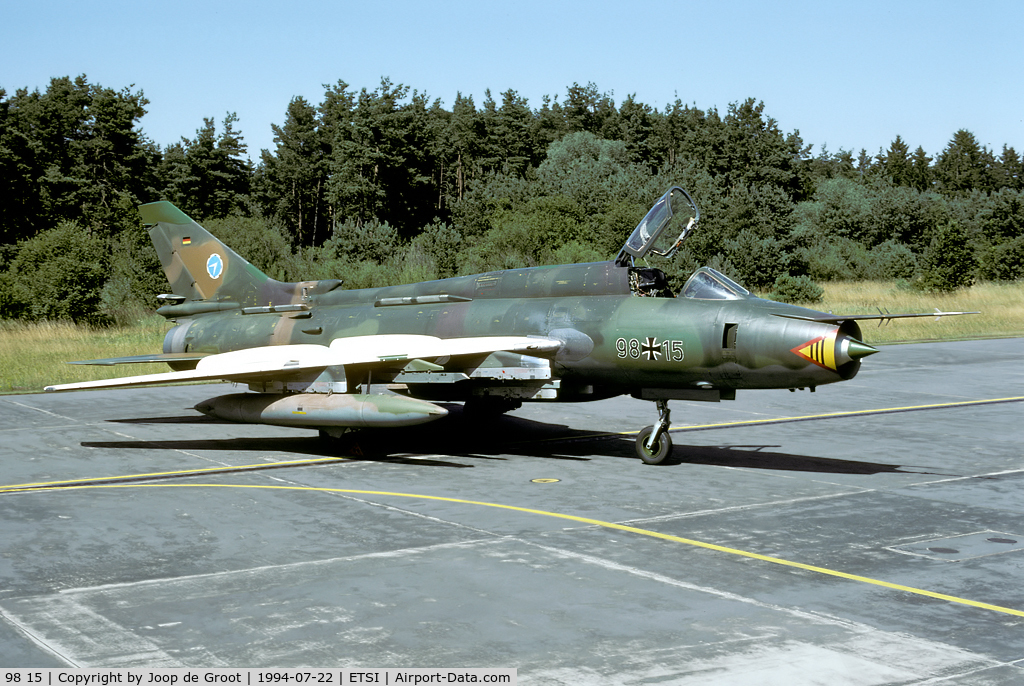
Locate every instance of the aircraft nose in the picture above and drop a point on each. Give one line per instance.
(851, 349)
(831, 349)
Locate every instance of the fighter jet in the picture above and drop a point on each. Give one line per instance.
(315, 355)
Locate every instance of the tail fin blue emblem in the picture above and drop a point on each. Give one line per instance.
(214, 266)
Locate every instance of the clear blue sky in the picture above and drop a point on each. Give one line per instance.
(847, 74)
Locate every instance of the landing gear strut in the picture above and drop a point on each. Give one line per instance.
(653, 443)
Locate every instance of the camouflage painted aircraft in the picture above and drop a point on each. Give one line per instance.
(312, 352)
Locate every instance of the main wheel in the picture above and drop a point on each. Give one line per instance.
(661, 449)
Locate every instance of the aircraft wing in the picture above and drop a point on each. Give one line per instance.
(143, 359)
(284, 362)
(881, 316)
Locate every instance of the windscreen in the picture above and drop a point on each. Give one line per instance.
(707, 284)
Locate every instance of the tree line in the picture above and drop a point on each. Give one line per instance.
(384, 185)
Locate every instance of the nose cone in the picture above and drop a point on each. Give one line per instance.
(834, 351)
(855, 350)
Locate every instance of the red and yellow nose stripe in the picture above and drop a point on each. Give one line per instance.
(821, 351)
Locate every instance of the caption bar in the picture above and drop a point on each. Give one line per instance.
(253, 677)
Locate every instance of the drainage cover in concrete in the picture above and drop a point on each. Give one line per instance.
(966, 547)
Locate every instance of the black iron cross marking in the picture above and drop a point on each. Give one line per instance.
(651, 349)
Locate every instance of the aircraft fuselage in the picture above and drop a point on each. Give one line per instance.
(615, 341)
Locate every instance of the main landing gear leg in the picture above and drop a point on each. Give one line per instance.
(653, 443)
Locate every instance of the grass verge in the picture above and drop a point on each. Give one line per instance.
(1001, 306)
(34, 354)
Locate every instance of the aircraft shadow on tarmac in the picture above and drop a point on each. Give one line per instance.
(442, 442)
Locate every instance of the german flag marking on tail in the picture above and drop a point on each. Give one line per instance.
(821, 351)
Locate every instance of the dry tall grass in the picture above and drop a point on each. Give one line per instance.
(1001, 307)
(34, 354)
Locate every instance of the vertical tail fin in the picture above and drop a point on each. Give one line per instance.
(197, 265)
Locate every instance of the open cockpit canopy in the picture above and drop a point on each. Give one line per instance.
(663, 229)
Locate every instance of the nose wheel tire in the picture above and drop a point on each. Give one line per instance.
(656, 453)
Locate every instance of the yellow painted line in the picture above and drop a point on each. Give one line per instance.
(851, 413)
(607, 525)
(182, 472)
(801, 418)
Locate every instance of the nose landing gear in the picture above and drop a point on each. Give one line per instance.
(653, 443)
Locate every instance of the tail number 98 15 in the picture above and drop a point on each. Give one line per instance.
(649, 349)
